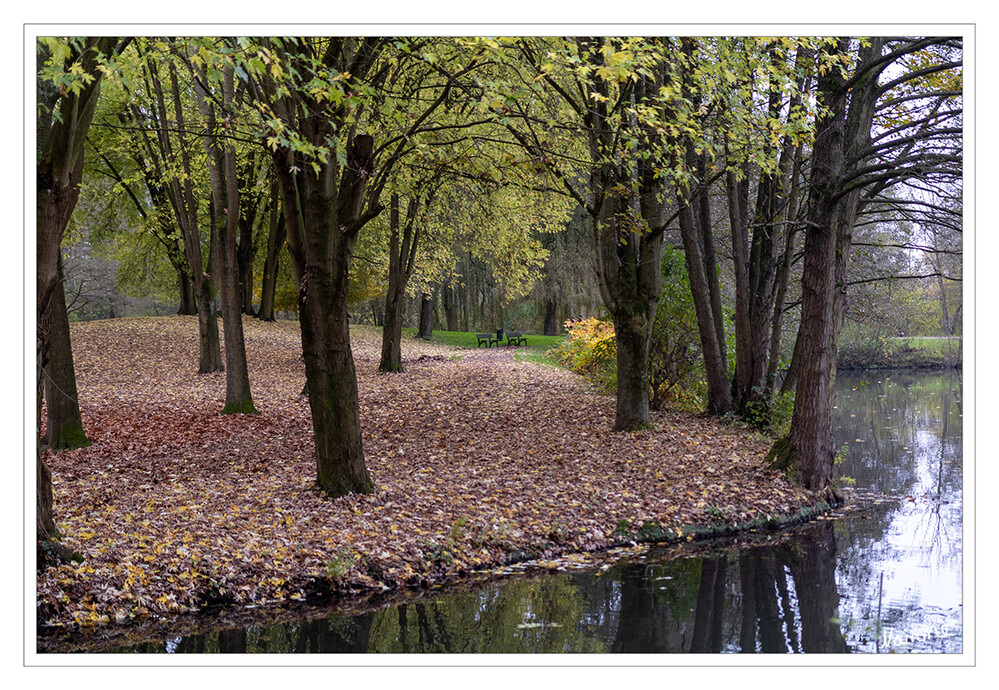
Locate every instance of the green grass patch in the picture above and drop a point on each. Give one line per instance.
(903, 353)
(933, 346)
(535, 347)
(538, 356)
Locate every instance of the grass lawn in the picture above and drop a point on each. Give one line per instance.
(933, 346)
(534, 350)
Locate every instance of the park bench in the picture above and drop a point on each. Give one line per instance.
(486, 338)
(515, 339)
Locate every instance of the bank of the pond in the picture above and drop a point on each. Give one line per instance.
(696, 541)
(904, 354)
(479, 461)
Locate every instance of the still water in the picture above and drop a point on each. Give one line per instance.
(885, 577)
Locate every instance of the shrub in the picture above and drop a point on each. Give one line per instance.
(675, 354)
(676, 377)
(341, 564)
(781, 409)
(590, 348)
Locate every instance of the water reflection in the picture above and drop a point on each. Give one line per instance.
(901, 434)
(885, 579)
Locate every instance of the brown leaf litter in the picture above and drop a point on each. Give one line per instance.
(477, 458)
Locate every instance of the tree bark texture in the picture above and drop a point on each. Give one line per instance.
(64, 424)
(762, 240)
(185, 288)
(715, 365)
(702, 217)
(323, 220)
(809, 446)
(245, 252)
(842, 135)
(698, 250)
(426, 326)
(631, 293)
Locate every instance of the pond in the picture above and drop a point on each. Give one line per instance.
(883, 576)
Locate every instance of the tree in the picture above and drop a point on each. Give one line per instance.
(319, 103)
(861, 149)
(645, 110)
(226, 214)
(69, 82)
(174, 162)
(608, 90)
(485, 245)
(404, 242)
(763, 234)
(64, 423)
(809, 444)
(128, 156)
(324, 210)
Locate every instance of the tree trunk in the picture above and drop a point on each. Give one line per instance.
(738, 213)
(945, 322)
(551, 316)
(426, 329)
(784, 276)
(226, 224)
(449, 301)
(238, 398)
(715, 366)
(402, 260)
(245, 253)
(209, 344)
(392, 335)
(808, 451)
(631, 332)
(756, 270)
(629, 264)
(627, 208)
(843, 134)
(275, 242)
(64, 425)
(332, 386)
(185, 208)
(327, 201)
(698, 250)
(188, 302)
(706, 235)
(323, 221)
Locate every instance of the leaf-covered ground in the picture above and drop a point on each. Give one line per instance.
(477, 459)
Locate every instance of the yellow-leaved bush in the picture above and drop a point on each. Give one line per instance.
(590, 348)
